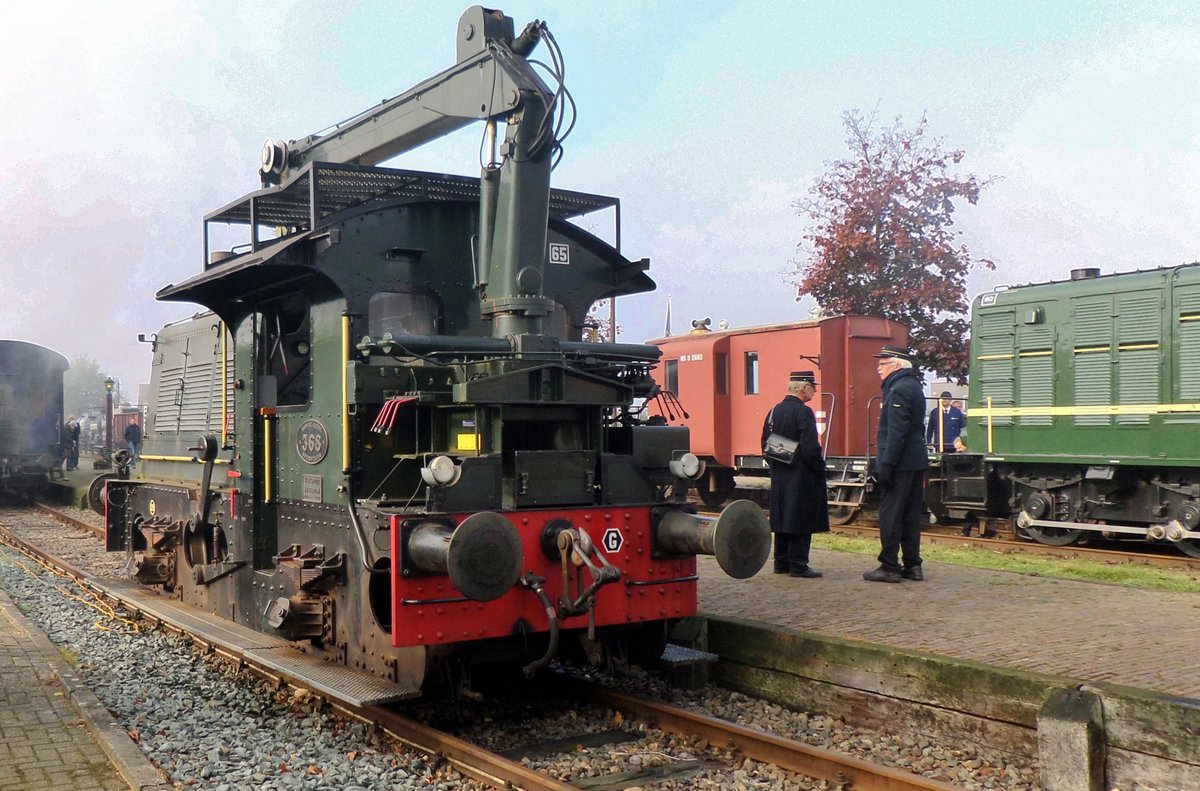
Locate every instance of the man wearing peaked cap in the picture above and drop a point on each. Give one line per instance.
(899, 468)
(946, 422)
(895, 352)
(798, 502)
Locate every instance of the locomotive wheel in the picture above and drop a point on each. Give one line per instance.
(1189, 547)
(1054, 536)
(842, 514)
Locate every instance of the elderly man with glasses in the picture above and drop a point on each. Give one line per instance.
(900, 467)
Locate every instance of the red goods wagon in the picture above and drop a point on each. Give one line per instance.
(726, 382)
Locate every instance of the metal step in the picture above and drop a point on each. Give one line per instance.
(678, 656)
(357, 687)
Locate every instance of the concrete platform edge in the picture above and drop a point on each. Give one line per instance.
(132, 764)
(1149, 734)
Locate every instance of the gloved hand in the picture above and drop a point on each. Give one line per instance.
(883, 473)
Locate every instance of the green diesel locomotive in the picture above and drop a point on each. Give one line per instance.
(1084, 409)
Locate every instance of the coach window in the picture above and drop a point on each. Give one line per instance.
(673, 376)
(721, 374)
(751, 373)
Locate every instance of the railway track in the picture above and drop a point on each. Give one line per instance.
(708, 742)
(1000, 543)
(866, 525)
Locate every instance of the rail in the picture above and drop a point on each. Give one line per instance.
(761, 746)
(469, 759)
(483, 765)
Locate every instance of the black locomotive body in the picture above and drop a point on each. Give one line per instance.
(385, 442)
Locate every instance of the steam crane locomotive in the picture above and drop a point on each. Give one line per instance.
(409, 463)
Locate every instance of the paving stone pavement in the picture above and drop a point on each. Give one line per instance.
(45, 743)
(1084, 630)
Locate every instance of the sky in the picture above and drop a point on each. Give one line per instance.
(123, 123)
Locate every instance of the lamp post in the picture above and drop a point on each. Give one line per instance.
(108, 421)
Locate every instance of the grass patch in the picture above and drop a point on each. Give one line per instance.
(71, 657)
(1130, 575)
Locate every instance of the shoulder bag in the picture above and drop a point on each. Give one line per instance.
(778, 447)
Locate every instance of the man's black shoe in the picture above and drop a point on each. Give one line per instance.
(913, 573)
(808, 574)
(882, 575)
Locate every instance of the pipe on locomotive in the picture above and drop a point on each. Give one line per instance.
(536, 584)
(454, 344)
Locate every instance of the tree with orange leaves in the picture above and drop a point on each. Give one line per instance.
(883, 241)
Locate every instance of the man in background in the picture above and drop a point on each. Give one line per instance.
(946, 421)
(133, 437)
(71, 443)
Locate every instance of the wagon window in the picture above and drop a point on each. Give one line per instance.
(35, 407)
(672, 376)
(721, 374)
(751, 373)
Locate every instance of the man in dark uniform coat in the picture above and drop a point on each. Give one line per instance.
(71, 442)
(798, 501)
(945, 422)
(900, 468)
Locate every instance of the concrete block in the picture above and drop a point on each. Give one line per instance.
(1070, 729)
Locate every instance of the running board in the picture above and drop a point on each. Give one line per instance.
(354, 686)
(687, 668)
(679, 655)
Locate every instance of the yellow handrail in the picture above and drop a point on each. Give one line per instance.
(989, 423)
(266, 457)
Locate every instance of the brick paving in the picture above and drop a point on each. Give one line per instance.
(1083, 630)
(44, 741)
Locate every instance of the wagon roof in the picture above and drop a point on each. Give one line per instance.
(760, 328)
